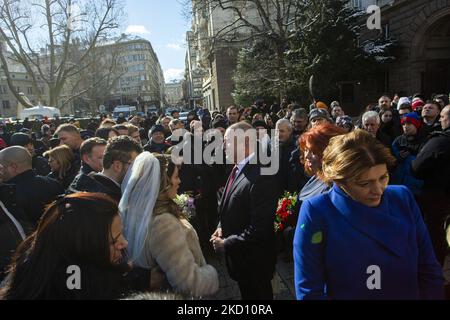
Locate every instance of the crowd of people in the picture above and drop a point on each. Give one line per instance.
(373, 191)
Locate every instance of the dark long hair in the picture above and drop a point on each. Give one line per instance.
(74, 231)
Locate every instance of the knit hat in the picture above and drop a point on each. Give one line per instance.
(156, 128)
(412, 118)
(402, 101)
(20, 139)
(319, 113)
(344, 122)
(321, 105)
(335, 104)
(416, 104)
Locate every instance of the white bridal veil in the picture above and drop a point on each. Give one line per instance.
(140, 190)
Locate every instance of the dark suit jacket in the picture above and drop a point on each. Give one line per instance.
(107, 186)
(34, 193)
(247, 217)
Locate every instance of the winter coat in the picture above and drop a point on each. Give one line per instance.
(176, 260)
(13, 226)
(35, 193)
(403, 174)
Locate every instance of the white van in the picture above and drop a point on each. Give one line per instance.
(126, 111)
(39, 113)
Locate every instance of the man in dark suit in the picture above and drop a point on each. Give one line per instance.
(247, 211)
(119, 154)
(34, 192)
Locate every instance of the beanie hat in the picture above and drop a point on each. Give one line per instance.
(20, 139)
(156, 128)
(321, 105)
(45, 128)
(344, 122)
(402, 101)
(416, 104)
(412, 118)
(335, 104)
(319, 113)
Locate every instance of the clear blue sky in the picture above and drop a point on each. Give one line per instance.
(161, 22)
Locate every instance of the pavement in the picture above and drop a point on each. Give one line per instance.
(283, 281)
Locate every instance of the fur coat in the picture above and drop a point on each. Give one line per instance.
(176, 260)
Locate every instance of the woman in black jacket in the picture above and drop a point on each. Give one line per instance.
(61, 160)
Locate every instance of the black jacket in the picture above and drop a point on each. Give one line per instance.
(107, 186)
(433, 163)
(286, 151)
(156, 147)
(296, 177)
(82, 181)
(68, 177)
(12, 223)
(428, 130)
(40, 166)
(247, 216)
(34, 193)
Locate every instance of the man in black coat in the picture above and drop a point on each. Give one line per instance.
(14, 226)
(247, 211)
(118, 156)
(91, 152)
(433, 166)
(40, 164)
(34, 192)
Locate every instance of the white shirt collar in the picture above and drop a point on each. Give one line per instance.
(243, 163)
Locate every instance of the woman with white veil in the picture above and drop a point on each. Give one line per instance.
(159, 237)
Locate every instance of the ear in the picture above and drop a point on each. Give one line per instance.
(117, 166)
(85, 158)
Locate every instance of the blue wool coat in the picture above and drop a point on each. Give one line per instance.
(346, 250)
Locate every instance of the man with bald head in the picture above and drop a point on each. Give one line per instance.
(34, 192)
(247, 211)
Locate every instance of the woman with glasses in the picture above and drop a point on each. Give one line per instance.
(76, 253)
(363, 240)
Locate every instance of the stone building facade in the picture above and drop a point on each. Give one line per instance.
(421, 30)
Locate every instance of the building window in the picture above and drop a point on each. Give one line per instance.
(357, 4)
(3, 90)
(6, 104)
(30, 90)
(387, 31)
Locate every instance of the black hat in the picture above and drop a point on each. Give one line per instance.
(157, 128)
(20, 139)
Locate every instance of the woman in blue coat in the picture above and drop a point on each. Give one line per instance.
(364, 239)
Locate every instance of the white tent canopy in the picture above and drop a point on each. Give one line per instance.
(39, 113)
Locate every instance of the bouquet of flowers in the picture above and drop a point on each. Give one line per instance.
(285, 215)
(186, 203)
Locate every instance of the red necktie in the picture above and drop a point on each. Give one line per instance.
(232, 178)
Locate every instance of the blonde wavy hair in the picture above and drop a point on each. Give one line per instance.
(348, 156)
(64, 156)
